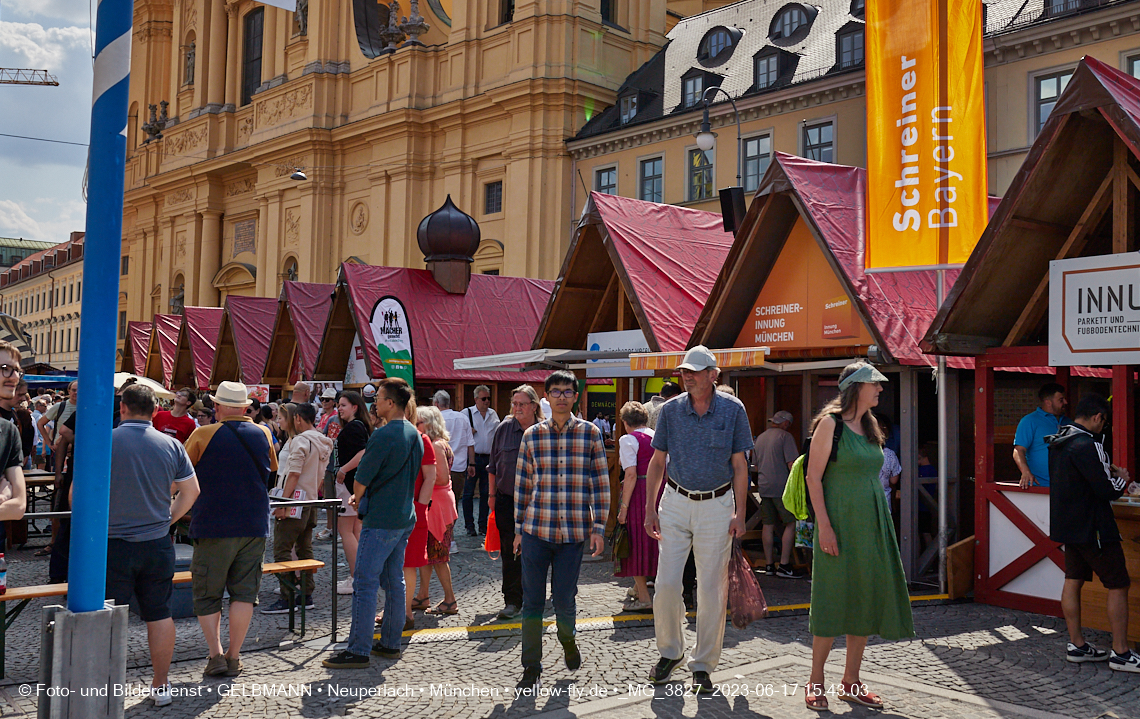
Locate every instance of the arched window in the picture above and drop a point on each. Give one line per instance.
(717, 45)
(290, 272)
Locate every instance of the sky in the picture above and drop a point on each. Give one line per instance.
(41, 183)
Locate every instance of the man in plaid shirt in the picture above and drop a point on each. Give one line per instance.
(562, 499)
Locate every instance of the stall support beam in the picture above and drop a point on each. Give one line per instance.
(983, 472)
(1123, 431)
(1123, 210)
(908, 443)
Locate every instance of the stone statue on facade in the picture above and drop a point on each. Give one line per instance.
(156, 125)
(391, 34)
(302, 17)
(415, 26)
(191, 53)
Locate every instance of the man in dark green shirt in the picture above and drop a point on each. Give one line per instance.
(385, 484)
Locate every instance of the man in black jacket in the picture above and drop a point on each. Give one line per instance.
(1083, 485)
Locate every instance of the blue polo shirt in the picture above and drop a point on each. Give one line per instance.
(700, 446)
(1031, 433)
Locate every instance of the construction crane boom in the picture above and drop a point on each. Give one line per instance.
(22, 76)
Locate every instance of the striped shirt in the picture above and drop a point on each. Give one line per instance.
(562, 483)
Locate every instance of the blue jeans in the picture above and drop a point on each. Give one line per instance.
(563, 561)
(379, 565)
(480, 480)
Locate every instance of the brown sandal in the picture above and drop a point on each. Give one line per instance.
(814, 696)
(445, 609)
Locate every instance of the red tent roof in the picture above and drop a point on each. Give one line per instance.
(202, 325)
(671, 255)
(251, 319)
(496, 315)
(308, 304)
(138, 342)
(1116, 93)
(899, 305)
(166, 328)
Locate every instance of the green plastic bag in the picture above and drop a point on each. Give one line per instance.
(795, 491)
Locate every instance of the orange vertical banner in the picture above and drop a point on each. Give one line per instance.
(926, 132)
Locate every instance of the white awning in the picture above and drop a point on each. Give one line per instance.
(528, 360)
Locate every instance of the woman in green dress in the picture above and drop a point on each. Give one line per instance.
(858, 586)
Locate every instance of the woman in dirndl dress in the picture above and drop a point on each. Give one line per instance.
(634, 451)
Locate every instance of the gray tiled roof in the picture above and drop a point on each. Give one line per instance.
(753, 17)
(1009, 15)
(660, 77)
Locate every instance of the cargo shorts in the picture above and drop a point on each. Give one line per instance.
(225, 563)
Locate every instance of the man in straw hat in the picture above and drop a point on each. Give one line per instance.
(704, 434)
(232, 459)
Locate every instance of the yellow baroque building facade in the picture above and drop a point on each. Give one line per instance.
(382, 126)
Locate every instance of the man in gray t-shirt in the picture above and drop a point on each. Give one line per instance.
(147, 467)
(772, 457)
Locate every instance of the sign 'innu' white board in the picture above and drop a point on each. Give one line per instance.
(1094, 310)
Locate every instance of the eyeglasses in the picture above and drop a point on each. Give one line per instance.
(560, 393)
(482, 399)
(8, 370)
(520, 405)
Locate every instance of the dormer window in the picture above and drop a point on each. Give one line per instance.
(628, 108)
(767, 71)
(858, 7)
(692, 87)
(717, 45)
(773, 67)
(849, 47)
(791, 22)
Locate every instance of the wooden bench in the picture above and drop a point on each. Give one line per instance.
(22, 595)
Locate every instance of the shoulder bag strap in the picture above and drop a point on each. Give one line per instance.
(838, 435)
(249, 450)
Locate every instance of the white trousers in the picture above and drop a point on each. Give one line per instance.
(703, 527)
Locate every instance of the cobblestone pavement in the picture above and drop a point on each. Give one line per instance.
(969, 661)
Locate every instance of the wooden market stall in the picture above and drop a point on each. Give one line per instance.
(634, 266)
(243, 340)
(302, 313)
(1074, 197)
(136, 348)
(794, 282)
(197, 344)
(162, 349)
(494, 314)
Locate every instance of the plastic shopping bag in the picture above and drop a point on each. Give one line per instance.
(805, 534)
(795, 490)
(744, 594)
(491, 541)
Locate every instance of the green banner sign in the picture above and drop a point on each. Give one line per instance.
(393, 339)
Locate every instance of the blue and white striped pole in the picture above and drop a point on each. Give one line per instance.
(87, 569)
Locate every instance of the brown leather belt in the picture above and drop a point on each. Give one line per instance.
(699, 496)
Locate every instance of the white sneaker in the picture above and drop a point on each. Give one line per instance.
(454, 546)
(344, 587)
(1129, 662)
(323, 535)
(162, 695)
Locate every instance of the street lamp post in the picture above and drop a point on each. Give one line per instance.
(706, 138)
(732, 205)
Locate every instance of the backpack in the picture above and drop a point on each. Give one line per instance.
(796, 498)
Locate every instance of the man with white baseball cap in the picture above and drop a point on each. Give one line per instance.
(773, 455)
(232, 459)
(704, 434)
